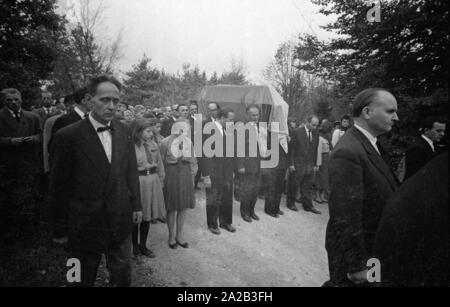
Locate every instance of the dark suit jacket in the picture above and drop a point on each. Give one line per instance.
(66, 120)
(29, 125)
(361, 182)
(417, 156)
(44, 116)
(166, 126)
(302, 152)
(100, 196)
(252, 165)
(412, 240)
(219, 169)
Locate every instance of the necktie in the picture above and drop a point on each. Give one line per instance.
(103, 129)
(17, 115)
(148, 153)
(309, 136)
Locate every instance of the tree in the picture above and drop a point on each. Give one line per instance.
(237, 74)
(26, 54)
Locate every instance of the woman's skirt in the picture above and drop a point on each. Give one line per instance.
(152, 197)
(178, 187)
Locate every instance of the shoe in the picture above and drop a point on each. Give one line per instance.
(275, 215)
(247, 218)
(280, 212)
(318, 200)
(228, 228)
(146, 252)
(197, 188)
(215, 231)
(136, 251)
(153, 221)
(162, 220)
(293, 208)
(313, 210)
(183, 245)
(255, 217)
(173, 246)
(298, 200)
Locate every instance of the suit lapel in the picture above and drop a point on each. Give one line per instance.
(376, 158)
(11, 121)
(93, 149)
(119, 143)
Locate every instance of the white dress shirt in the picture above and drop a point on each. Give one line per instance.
(105, 137)
(430, 142)
(219, 126)
(373, 140)
(79, 112)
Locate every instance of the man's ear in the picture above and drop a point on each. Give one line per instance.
(366, 112)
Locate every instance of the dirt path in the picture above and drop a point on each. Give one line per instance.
(288, 251)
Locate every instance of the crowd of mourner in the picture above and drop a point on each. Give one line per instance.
(101, 171)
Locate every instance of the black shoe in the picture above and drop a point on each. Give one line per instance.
(313, 210)
(153, 221)
(228, 228)
(293, 208)
(247, 218)
(280, 212)
(215, 231)
(255, 217)
(298, 200)
(136, 251)
(162, 220)
(275, 215)
(173, 246)
(146, 252)
(183, 245)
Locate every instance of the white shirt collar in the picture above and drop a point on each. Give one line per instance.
(430, 142)
(217, 123)
(79, 112)
(96, 124)
(12, 112)
(373, 140)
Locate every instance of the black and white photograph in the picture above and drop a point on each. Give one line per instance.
(228, 147)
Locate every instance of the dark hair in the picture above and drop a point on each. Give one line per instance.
(10, 91)
(181, 105)
(428, 122)
(326, 127)
(218, 107)
(96, 81)
(140, 126)
(364, 99)
(79, 95)
(223, 113)
(252, 106)
(345, 117)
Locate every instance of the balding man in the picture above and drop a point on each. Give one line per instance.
(20, 137)
(361, 183)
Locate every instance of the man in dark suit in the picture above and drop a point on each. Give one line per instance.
(303, 161)
(46, 110)
(273, 180)
(412, 239)
(361, 182)
(167, 123)
(94, 173)
(249, 166)
(218, 178)
(20, 139)
(423, 149)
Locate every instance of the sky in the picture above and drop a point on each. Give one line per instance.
(209, 33)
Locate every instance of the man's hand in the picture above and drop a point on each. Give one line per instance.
(358, 277)
(292, 168)
(137, 217)
(16, 141)
(241, 171)
(207, 182)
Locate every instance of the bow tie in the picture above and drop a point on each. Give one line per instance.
(103, 129)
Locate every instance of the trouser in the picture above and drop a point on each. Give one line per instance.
(248, 193)
(219, 205)
(199, 173)
(118, 257)
(141, 231)
(273, 182)
(291, 189)
(305, 182)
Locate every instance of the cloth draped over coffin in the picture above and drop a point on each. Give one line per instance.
(237, 98)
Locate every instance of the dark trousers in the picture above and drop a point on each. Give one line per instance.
(291, 189)
(304, 180)
(248, 193)
(118, 260)
(219, 205)
(273, 183)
